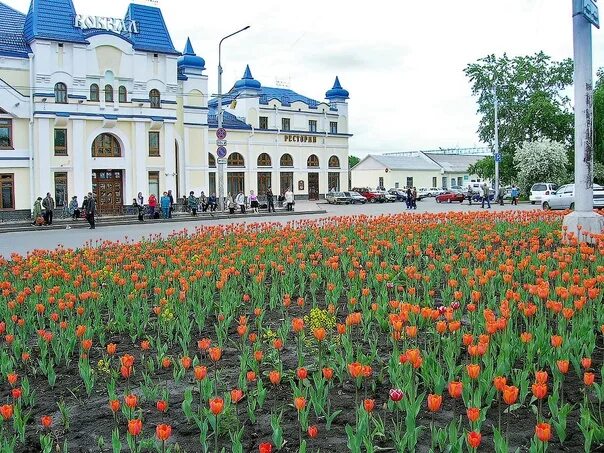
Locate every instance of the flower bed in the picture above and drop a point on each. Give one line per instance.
(456, 331)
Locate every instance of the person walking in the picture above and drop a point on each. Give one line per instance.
(212, 202)
(171, 198)
(485, 195)
(289, 199)
(164, 202)
(408, 201)
(414, 198)
(270, 202)
(193, 203)
(500, 195)
(253, 201)
(152, 205)
(91, 210)
(231, 204)
(49, 206)
(74, 208)
(140, 209)
(515, 194)
(470, 194)
(37, 212)
(240, 200)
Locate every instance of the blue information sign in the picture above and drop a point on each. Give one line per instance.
(497, 157)
(221, 151)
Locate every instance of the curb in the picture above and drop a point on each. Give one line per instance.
(79, 225)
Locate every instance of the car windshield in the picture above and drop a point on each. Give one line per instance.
(539, 188)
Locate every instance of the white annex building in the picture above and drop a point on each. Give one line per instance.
(110, 106)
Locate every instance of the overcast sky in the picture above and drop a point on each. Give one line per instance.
(403, 68)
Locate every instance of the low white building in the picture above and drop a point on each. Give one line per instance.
(441, 169)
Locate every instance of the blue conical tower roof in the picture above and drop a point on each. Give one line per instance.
(52, 20)
(248, 81)
(189, 58)
(337, 92)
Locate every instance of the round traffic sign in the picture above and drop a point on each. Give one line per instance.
(221, 151)
(221, 133)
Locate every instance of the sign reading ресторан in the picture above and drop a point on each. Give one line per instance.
(300, 138)
(105, 23)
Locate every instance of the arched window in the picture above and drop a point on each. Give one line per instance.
(313, 161)
(94, 92)
(211, 160)
(235, 160)
(123, 93)
(61, 93)
(106, 145)
(334, 162)
(264, 160)
(108, 93)
(286, 161)
(155, 99)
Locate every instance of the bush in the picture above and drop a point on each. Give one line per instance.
(540, 161)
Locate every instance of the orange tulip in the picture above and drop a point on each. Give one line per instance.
(299, 403)
(319, 334)
(455, 388)
(588, 378)
(586, 362)
(251, 376)
(12, 378)
(368, 405)
(499, 382)
(275, 377)
(543, 431)
(510, 394)
(313, 431)
(474, 439)
(539, 390)
(186, 362)
(297, 325)
(301, 373)
(434, 402)
(216, 405)
(541, 377)
(562, 366)
(355, 369)
(114, 405)
(135, 426)
(473, 370)
(236, 396)
(6, 410)
(526, 337)
(215, 353)
(556, 341)
(161, 406)
(46, 421)
(111, 348)
(163, 432)
(473, 413)
(200, 372)
(327, 373)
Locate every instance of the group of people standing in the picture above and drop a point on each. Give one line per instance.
(44, 208)
(411, 199)
(485, 195)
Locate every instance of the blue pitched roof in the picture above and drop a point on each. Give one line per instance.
(153, 34)
(53, 20)
(266, 94)
(11, 32)
(229, 121)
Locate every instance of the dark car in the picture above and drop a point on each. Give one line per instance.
(399, 194)
(450, 196)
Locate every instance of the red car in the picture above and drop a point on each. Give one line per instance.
(450, 196)
(371, 195)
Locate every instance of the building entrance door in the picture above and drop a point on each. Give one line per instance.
(107, 187)
(313, 186)
(235, 183)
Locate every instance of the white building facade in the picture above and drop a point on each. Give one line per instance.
(110, 106)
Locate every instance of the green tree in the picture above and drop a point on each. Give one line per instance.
(532, 103)
(541, 161)
(352, 161)
(484, 168)
(599, 117)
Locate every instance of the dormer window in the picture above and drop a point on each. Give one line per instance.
(155, 99)
(61, 93)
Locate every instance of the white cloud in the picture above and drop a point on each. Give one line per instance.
(403, 66)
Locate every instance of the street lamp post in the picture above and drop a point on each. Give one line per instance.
(583, 220)
(497, 155)
(219, 115)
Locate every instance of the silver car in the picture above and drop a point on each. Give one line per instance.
(564, 198)
(337, 198)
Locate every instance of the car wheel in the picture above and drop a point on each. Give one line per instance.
(449, 200)
(437, 200)
(546, 206)
(532, 202)
(572, 206)
(372, 200)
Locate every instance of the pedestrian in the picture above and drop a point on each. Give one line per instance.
(409, 199)
(515, 193)
(470, 194)
(231, 204)
(270, 202)
(37, 212)
(253, 201)
(152, 205)
(240, 200)
(140, 209)
(164, 202)
(500, 195)
(74, 208)
(91, 210)
(414, 198)
(49, 206)
(203, 201)
(212, 202)
(485, 195)
(192, 202)
(139, 199)
(171, 198)
(289, 199)
(85, 206)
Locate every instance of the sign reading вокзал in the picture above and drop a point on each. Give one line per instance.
(105, 23)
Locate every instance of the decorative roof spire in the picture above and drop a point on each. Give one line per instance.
(337, 92)
(189, 48)
(247, 81)
(189, 59)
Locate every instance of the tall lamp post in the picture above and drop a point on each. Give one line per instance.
(497, 155)
(221, 163)
(583, 220)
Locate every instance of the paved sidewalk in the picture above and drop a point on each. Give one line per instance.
(301, 208)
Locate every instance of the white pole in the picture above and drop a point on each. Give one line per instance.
(496, 144)
(583, 220)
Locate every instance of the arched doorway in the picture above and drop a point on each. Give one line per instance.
(107, 184)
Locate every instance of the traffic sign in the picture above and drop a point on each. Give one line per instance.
(221, 142)
(221, 133)
(497, 157)
(221, 151)
(222, 161)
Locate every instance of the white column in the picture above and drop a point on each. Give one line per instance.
(80, 156)
(43, 161)
(169, 157)
(128, 176)
(140, 141)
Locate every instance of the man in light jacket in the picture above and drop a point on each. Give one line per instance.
(240, 200)
(289, 199)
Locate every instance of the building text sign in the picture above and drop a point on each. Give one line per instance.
(105, 23)
(301, 138)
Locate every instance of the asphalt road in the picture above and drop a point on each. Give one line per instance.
(23, 242)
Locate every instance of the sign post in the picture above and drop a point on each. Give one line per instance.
(583, 221)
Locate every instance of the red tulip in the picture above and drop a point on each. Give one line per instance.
(236, 396)
(46, 421)
(313, 431)
(265, 447)
(368, 404)
(161, 406)
(163, 432)
(135, 426)
(543, 431)
(216, 405)
(434, 402)
(474, 439)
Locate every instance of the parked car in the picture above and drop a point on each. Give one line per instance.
(355, 197)
(450, 196)
(371, 195)
(337, 198)
(540, 190)
(423, 192)
(434, 191)
(400, 194)
(387, 195)
(564, 198)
